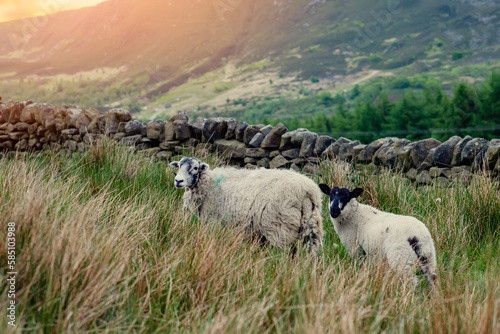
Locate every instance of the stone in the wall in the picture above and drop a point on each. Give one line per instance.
(412, 174)
(85, 118)
(403, 160)
(16, 136)
(119, 136)
(274, 153)
(308, 144)
(387, 154)
(155, 129)
(492, 154)
(133, 127)
(250, 166)
(249, 160)
(266, 130)
(60, 116)
(132, 140)
(310, 169)
(169, 145)
(457, 151)
(443, 155)
(429, 160)
(183, 131)
(346, 151)
(257, 153)
(122, 115)
(239, 132)
(32, 128)
(170, 127)
(21, 145)
(214, 128)
(322, 142)
(291, 154)
(232, 124)
(299, 161)
(299, 135)
(264, 163)
(295, 168)
(197, 127)
(332, 151)
(27, 114)
(471, 149)
(7, 145)
(101, 124)
(111, 123)
(72, 115)
(436, 172)
(273, 138)
(121, 127)
(231, 149)
(256, 140)
(90, 138)
(278, 161)
(73, 145)
(21, 126)
(164, 155)
(366, 156)
(250, 132)
(192, 142)
(421, 150)
(356, 151)
(286, 142)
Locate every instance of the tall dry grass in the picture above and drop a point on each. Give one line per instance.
(104, 246)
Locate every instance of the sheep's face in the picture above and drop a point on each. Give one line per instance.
(339, 199)
(188, 172)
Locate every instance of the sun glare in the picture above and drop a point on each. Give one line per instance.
(14, 9)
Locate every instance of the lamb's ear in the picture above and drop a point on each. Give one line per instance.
(325, 189)
(356, 192)
(204, 167)
(174, 164)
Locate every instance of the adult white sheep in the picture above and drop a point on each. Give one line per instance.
(404, 241)
(279, 207)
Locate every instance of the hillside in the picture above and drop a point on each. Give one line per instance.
(130, 51)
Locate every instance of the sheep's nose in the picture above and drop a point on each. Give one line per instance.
(334, 212)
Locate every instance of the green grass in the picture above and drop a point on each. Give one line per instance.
(104, 245)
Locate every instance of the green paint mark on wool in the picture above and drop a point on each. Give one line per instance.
(219, 179)
(387, 216)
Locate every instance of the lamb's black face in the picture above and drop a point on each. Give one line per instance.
(189, 170)
(339, 198)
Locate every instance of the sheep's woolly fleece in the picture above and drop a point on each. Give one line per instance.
(404, 241)
(278, 206)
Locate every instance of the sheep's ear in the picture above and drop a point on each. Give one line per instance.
(174, 164)
(204, 167)
(325, 189)
(356, 192)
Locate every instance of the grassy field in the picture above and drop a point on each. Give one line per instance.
(104, 246)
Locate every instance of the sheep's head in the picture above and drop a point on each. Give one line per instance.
(189, 171)
(339, 198)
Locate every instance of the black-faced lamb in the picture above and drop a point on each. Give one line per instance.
(279, 207)
(403, 241)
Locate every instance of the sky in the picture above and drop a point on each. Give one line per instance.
(18, 9)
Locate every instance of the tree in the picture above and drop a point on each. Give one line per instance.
(464, 109)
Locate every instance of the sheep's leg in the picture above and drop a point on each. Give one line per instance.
(310, 232)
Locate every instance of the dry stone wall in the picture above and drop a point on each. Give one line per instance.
(28, 126)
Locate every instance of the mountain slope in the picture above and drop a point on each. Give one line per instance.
(169, 42)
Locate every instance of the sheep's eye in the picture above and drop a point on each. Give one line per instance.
(196, 168)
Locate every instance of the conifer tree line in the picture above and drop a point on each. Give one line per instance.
(415, 114)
